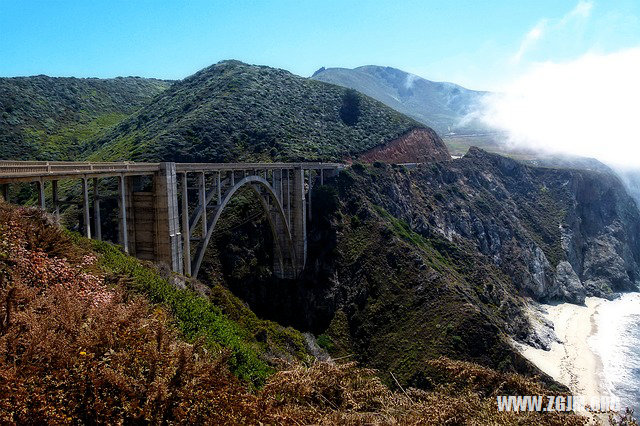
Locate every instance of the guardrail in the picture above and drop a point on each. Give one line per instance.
(192, 167)
(35, 170)
(14, 171)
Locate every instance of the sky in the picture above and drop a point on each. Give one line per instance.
(476, 44)
(564, 72)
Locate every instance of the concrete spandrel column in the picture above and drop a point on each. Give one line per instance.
(130, 186)
(276, 183)
(298, 219)
(5, 192)
(85, 208)
(96, 211)
(122, 204)
(41, 199)
(219, 189)
(288, 211)
(186, 232)
(168, 247)
(309, 194)
(203, 203)
(56, 201)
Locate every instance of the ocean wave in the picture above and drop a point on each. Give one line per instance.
(616, 341)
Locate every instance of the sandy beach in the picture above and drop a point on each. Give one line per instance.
(572, 362)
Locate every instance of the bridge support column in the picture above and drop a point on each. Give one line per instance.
(122, 203)
(97, 222)
(309, 193)
(41, 199)
(85, 208)
(168, 244)
(186, 232)
(276, 183)
(203, 203)
(298, 221)
(56, 201)
(5, 192)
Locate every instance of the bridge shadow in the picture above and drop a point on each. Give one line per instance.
(240, 257)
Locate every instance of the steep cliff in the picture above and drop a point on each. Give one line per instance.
(559, 233)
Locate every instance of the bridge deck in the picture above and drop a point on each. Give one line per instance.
(29, 171)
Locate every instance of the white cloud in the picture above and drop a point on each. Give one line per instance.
(580, 13)
(529, 40)
(588, 106)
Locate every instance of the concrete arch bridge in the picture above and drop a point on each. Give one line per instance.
(172, 219)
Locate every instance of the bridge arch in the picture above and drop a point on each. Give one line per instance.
(285, 262)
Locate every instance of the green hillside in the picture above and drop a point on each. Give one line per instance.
(49, 118)
(232, 111)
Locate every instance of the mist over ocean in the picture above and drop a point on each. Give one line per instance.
(617, 342)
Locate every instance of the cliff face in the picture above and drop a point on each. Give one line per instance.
(559, 233)
(416, 146)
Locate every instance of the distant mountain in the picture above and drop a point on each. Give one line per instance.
(438, 105)
(49, 118)
(233, 111)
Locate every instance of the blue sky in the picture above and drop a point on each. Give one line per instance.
(479, 44)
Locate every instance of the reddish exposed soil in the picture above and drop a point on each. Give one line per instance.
(415, 146)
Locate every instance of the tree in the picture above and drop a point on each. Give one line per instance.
(350, 110)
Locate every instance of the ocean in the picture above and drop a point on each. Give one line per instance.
(617, 343)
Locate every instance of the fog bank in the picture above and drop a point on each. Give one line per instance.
(588, 106)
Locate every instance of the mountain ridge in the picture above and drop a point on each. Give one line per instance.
(232, 111)
(440, 105)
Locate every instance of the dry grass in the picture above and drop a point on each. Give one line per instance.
(330, 394)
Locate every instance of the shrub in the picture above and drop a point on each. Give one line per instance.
(350, 109)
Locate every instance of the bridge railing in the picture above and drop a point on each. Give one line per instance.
(17, 170)
(196, 167)
(25, 169)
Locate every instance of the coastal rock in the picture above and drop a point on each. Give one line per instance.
(569, 283)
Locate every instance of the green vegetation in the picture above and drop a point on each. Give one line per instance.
(232, 111)
(542, 213)
(350, 109)
(198, 317)
(46, 118)
(68, 143)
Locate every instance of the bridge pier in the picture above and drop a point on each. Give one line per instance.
(85, 208)
(97, 223)
(168, 237)
(186, 231)
(41, 199)
(122, 208)
(298, 219)
(56, 201)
